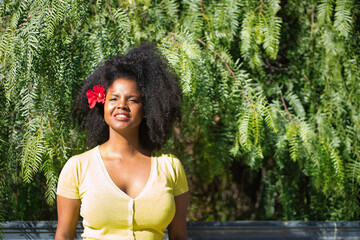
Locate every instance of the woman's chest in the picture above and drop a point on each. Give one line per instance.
(104, 204)
(129, 176)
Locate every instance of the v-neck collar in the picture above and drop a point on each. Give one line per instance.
(113, 185)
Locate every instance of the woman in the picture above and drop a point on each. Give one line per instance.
(121, 188)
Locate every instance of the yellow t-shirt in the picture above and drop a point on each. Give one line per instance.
(108, 212)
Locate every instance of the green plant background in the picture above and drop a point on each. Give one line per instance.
(271, 123)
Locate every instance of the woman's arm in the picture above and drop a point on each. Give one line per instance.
(177, 227)
(68, 215)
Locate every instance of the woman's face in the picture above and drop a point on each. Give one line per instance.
(123, 108)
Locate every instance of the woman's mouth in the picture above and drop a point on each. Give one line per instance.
(122, 117)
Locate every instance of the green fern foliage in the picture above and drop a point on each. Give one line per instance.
(260, 26)
(343, 21)
(325, 11)
(271, 31)
(296, 153)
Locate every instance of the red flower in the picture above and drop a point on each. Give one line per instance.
(98, 95)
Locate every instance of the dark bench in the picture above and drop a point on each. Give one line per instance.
(215, 230)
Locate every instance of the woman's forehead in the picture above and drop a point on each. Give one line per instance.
(123, 85)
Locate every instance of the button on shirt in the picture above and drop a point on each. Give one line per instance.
(108, 212)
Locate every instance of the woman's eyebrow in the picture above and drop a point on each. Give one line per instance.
(129, 96)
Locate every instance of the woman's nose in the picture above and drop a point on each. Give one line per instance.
(122, 105)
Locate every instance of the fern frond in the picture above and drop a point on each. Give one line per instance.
(254, 157)
(255, 57)
(189, 47)
(337, 164)
(270, 118)
(28, 101)
(274, 6)
(186, 74)
(292, 137)
(335, 140)
(233, 10)
(343, 21)
(33, 150)
(194, 17)
(5, 44)
(296, 104)
(259, 32)
(306, 135)
(50, 174)
(225, 18)
(11, 73)
(235, 151)
(172, 9)
(123, 25)
(249, 49)
(246, 33)
(256, 125)
(271, 34)
(244, 132)
(15, 20)
(353, 170)
(56, 13)
(331, 44)
(325, 11)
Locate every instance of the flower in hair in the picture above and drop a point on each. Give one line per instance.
(98, 95)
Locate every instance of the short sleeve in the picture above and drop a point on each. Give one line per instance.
(181, 185)
(68, 184)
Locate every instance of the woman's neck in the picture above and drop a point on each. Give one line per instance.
(123, 146)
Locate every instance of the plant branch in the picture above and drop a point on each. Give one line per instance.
(287, 111)
(317, 121)
(72, 30)
(357, 154)
(173, 37)
(306, 77)
(26, 20)
(202, 9)
(112, 16)
(261, 7)
(227, 66)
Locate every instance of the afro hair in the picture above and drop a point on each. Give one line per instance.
(159, 89)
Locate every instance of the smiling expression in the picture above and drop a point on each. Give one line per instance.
(123, 108)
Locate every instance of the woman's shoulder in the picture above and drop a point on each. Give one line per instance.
(167, 158)
(168, 161)
(79, 164)
(88, 154)
(83, 158)
(172, 168)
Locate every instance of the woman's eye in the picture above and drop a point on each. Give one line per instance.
(134, 100)
(112, 99)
